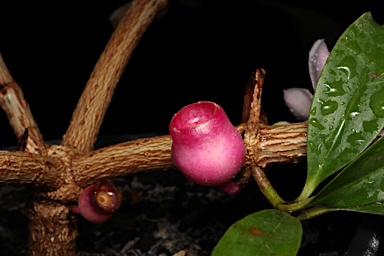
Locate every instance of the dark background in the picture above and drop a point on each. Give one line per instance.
(199, 50)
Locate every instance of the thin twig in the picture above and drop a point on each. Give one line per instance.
(17, 109)
(255, 107)
(265, 186)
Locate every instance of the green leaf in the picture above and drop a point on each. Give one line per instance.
(347, 110)
(267, 232)
(371, 209)
(360, 183)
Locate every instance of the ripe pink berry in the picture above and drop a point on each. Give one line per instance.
(206, 147)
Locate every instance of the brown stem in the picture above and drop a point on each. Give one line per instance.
(267, 144)
(255, 107)
(17, 109)
(247, 100)
(281, 143)
(51, 230)
(251, 114)
(255, 80)
(124, 158)
(94, 101)
(26, 168)
(275, 144)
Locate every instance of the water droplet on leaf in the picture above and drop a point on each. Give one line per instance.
(356, 139)
(336, 90)
(377, 104)
(315, 123)
(346, 70)
(353, 115)
(329, 107)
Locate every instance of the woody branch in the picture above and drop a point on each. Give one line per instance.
(18, 112)
(66, 176)
(92, 106)
(273, 144)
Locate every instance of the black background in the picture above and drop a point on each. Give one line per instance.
(203, 51)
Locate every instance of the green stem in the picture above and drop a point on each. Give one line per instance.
(273, 197)
(271, 194)
(266, 187)
(293, 206)
(314, 212)
(307, 191)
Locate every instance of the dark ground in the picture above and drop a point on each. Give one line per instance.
(193, 53)
(163, 214)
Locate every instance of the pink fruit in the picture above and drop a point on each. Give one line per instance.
(99, 201)
(206, 147)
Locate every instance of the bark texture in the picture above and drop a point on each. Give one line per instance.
(56, 174)
(49, 168)
(51, 231)
(92, 106)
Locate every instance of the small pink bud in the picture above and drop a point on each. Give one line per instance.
(206, 147)
(229, 187)
(99, 201)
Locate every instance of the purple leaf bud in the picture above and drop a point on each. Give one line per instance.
(299, 101)
(317, 57)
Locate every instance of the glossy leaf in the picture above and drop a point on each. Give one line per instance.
(267, 232)
(360, 183)
(347, 110)
(376, 208)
